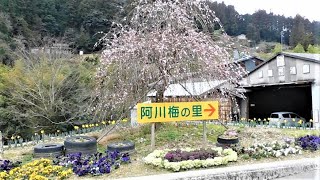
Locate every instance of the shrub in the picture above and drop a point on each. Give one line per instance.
(44, 92)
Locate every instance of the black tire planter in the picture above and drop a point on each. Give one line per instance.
(122, 147)
(74, 144)
(227, 141)
(48, 150)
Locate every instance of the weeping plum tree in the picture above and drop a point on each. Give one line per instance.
(162, 41)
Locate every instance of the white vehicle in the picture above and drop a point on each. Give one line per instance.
(287, 118)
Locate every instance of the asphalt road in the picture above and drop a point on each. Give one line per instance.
(311, 175)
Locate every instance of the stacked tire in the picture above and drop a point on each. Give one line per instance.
(48, 150)
(122, 147)
(83, 144)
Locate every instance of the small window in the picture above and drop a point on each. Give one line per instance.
(274, 116)
(293, 70)
(281, 71)
(306, 68)
(286, 115)
(270, 74)
(261, 74)
(280, 60)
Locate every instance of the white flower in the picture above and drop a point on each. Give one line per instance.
(175, 166)
(278, 154)
(156, 158)
(286, 152)
(268, 149)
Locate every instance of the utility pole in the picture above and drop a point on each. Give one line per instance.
(281, 35)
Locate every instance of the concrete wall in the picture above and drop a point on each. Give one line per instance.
(255, 78)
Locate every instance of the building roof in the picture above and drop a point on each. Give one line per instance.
(303, 56)
(309, 56)
(248, 58)
(188, 88)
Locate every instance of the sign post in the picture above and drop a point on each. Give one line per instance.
(204, 141)
(153, 137)
(177, 111)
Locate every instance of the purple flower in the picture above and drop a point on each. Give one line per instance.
(309, 142)
(125, 158)
(95, 164)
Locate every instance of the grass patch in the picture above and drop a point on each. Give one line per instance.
(27, 158)
(101, 148)
(300, 132)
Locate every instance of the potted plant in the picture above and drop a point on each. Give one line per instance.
(229, 137)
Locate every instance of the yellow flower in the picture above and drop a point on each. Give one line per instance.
(285, 121)
(18, 137)
(87, 125)
(38, 177)
(103, 122)
(97, 124)
(300, 121)
(311, 120)
(76, 127)
(259, 119)
(113, 122)
(64, 174)
(254, 118)
(12, 137)
(36, 170)
(3, 175)
(58, 131)
(42, 131)
(11, 172)
(293, 119)
(125, 120)
(264, 119)
(109, 122)
(83, 126)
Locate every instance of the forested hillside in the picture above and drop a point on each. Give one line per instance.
(80, 23)
(268, 26)
(32, 23)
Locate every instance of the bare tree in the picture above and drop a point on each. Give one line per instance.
(164, 41)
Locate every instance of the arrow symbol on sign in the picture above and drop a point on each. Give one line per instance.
(211, 110)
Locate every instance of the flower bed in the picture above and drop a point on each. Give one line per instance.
(38, 169)
(309, 142)
(185, 159)
(274, 149)
(95, 164)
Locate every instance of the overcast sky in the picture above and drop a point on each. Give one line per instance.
(307, 8)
